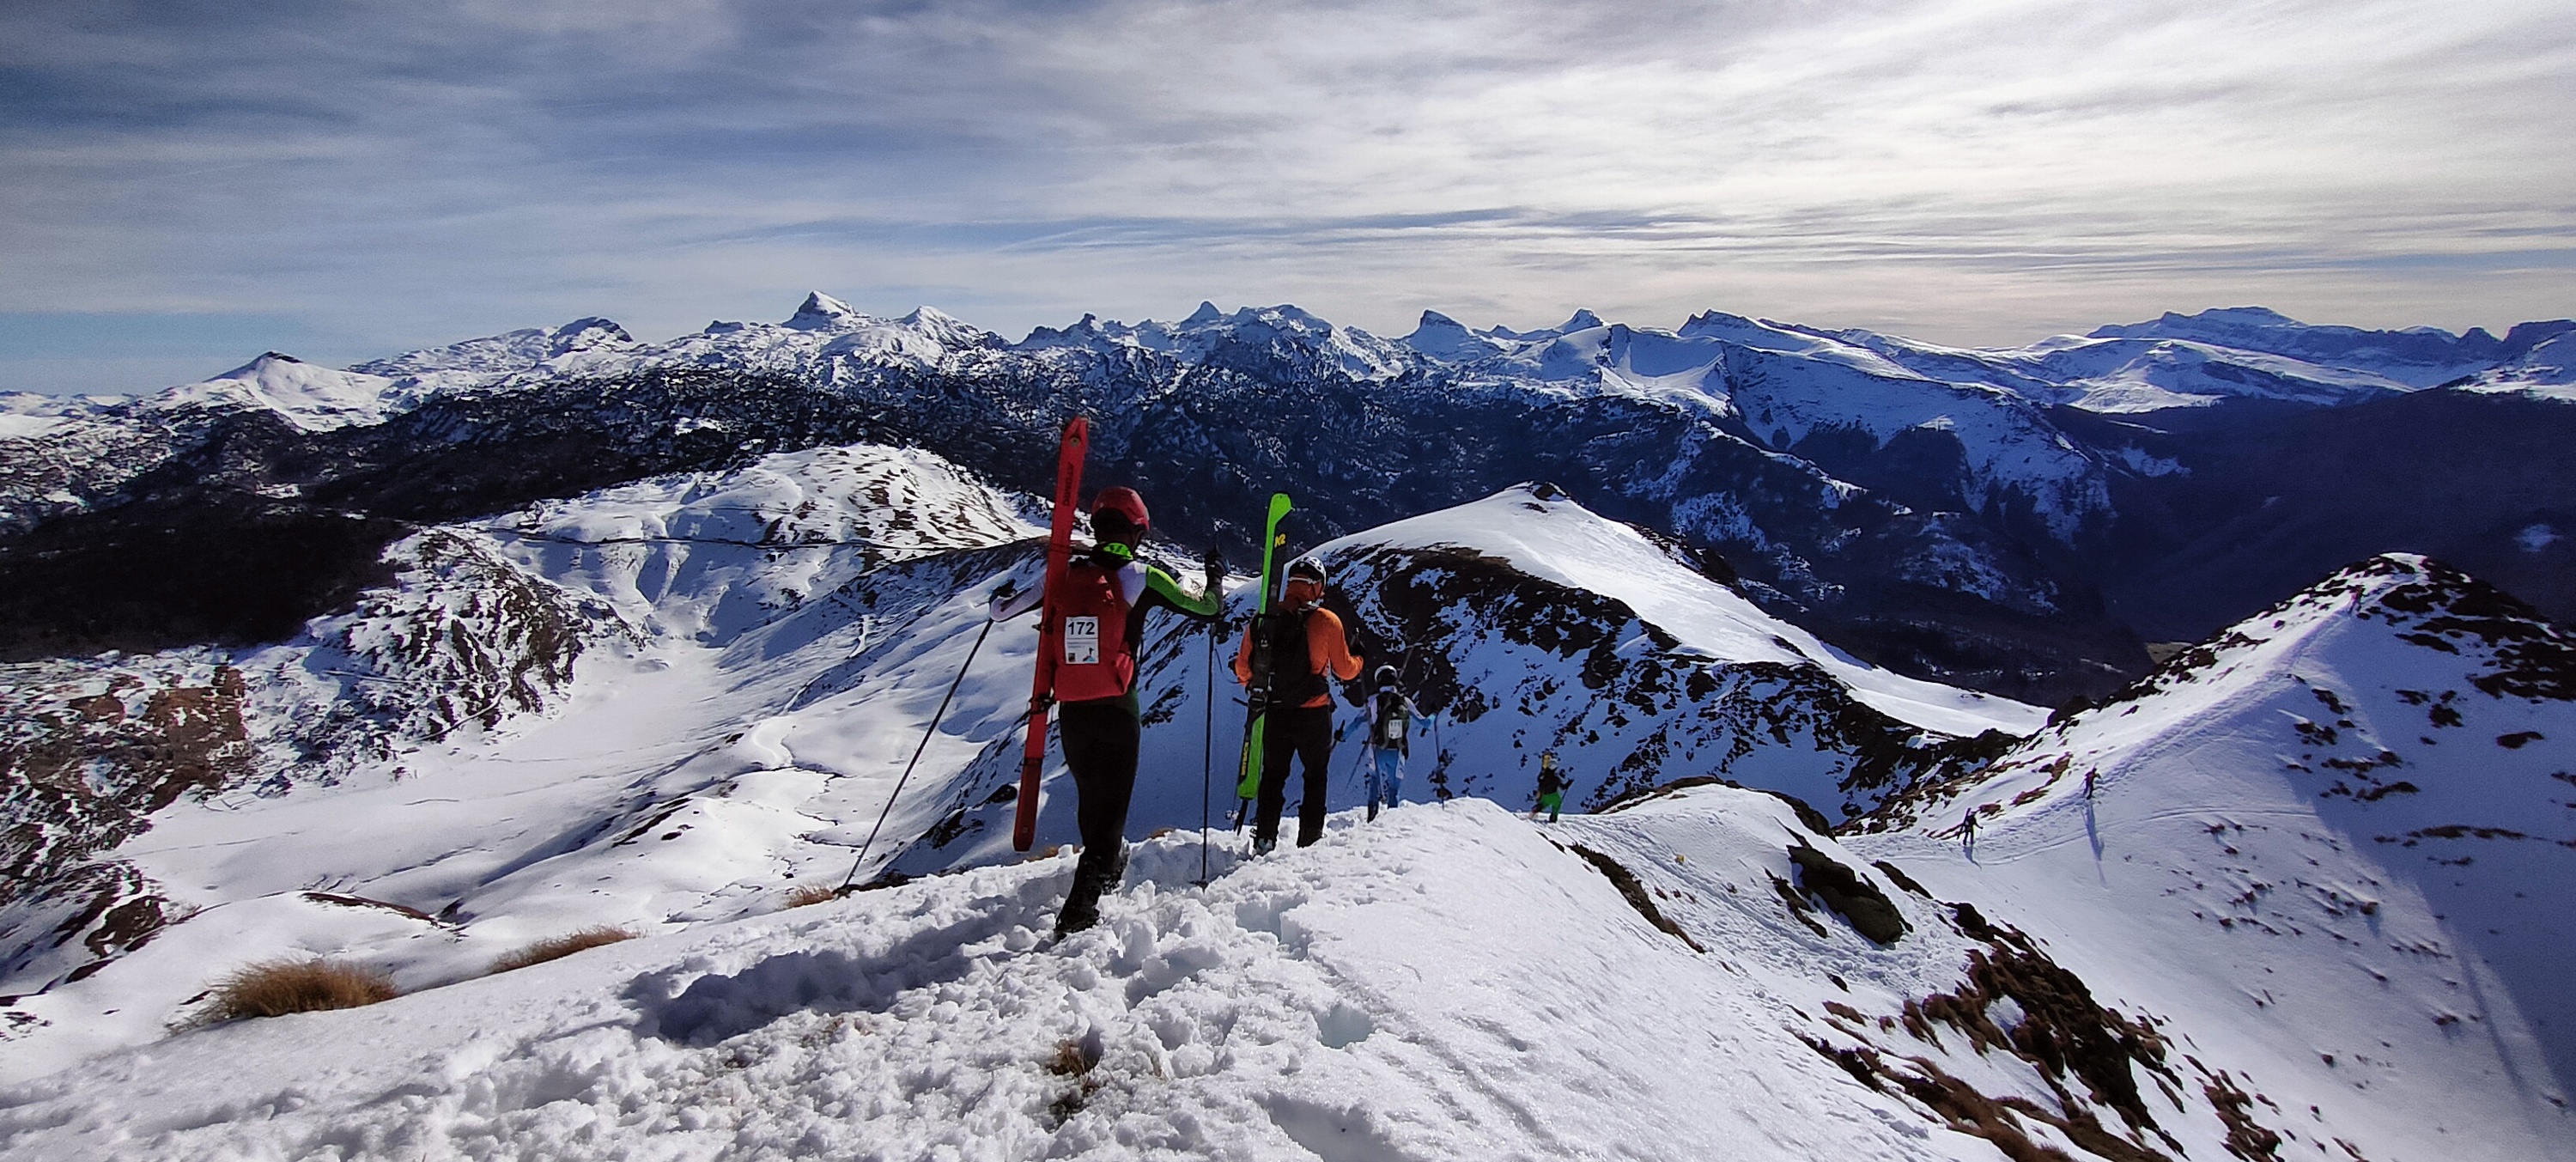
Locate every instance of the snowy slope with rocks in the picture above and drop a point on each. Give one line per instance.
(515, 663)
(2547, 371)
(2347, 824)
(686, 695)
(1666, 981)
(664, 703)
(1533, 624)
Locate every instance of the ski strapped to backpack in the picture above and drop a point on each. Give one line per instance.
(1052, 640)
(1257, 691)
(1090, 620)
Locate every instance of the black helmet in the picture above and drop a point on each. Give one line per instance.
(1386, 676)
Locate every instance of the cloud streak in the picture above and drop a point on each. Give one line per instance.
(1971, 170)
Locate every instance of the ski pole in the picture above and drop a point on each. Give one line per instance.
(935, 716)
(1207, 759)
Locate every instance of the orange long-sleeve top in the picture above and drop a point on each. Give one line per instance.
(1325, 647)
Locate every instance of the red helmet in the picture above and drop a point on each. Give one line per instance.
(1119, 510)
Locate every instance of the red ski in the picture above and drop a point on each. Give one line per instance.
(1068, 498)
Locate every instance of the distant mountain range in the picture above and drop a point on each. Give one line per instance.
(2018, 521)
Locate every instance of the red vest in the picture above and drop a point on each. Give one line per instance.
(1091, 624)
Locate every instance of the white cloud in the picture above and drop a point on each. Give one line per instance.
(1983, 171)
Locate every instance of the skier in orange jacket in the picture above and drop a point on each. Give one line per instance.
(1306, 645)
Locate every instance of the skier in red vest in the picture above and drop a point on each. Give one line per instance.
(1108, 592)
(1307, 644)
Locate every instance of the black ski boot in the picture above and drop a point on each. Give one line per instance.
(1090, 880)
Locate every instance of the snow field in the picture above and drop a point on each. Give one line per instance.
(1443, 983)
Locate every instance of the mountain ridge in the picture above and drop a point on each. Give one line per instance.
(1961, 514)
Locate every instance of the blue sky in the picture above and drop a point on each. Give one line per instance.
(185, 185)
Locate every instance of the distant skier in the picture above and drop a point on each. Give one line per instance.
(1388, 718)
(1551, 787)
(1968, 834)
(1306, 645)
(1108, 592)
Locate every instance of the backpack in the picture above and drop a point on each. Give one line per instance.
(1293, 680)
(1388, 732)
(1091, 624)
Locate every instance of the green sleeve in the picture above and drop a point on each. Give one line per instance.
(1160, 583)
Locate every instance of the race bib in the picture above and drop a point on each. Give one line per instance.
(1082, 641)
(1394, 730)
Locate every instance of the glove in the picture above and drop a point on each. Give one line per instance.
(1003, 595)
(1214, 563)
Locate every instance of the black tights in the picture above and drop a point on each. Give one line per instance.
(1100, 740)
(1307, 733)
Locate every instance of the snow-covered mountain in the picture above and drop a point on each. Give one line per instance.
(1617, 650)
(2416, 356)
(504, 354)
(686, 694)
(662, 703)
(1999, 518)
(2349, 819)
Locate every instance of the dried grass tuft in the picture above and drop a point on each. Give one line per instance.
(275, 988)
(1074, 1061)
(1070, 1060)
(812, 894)
(558, 947)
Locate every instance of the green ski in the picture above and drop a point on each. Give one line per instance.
(1257, 691)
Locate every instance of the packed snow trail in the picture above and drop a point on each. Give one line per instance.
(1446, 982)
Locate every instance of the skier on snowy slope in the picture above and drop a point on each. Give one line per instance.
(1551, 787)
(1108, 592)
(1306, 642)
(1388, 719)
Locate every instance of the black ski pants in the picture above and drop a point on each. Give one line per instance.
(1100, 740)
(1305, 732)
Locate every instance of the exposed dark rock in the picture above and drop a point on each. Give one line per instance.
(1799, 908)
(2062, 1030)
(79, 775)
(1900, 879)
(1635, 893)
(2246, 1138)
(1845, 891)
